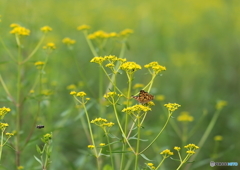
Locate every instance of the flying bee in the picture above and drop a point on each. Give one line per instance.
(40, 126)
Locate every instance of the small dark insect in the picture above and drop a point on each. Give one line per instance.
(143, 97)
(40, 126)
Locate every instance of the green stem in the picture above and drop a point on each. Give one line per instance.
(160, 164)
(1, 147)
(90, 44)
(205, 135)
(138, 143)
(110, 150)
(169, 116)
(34, 50)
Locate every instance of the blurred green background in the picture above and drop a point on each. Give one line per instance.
(198, 42)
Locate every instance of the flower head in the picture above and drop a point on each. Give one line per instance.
(47, 137)
(172, 106)
(91, 146)
(185, 117)
(46, 29)
(83, 27)
(136, 108)
(50, 46)
(4, 111)
(98, 60)
(126, 32)
(130, 67)
(19, 30)
(103, 123)
(177, 148)
(81, 94)
(218, 138)
(68, 41)
(39, 64)
(166, 153)
(155, 68)
(220, 104)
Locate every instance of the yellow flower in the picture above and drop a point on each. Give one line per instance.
(191, 146)
(126, 32)
(71, 87)
(218, 138)
(160, 97)
(102, 122)
(220, 104)
(68, 41)
(50, 46)
(130, 67)
(150, 164)
(73, 93)
(83, 27)
(166, 153)
(98, 60)
(20, 167)
(39, 64)
(177, 148)
(46, 29)
(3, 125)
(4, 111)
(81, 94)
(138, 85)
(155, 67)
(136, 108)
(18, 30)
(91, 146)
(185, 117)
(172, 106)
(102, 144)
(47, 137)
(9, 134)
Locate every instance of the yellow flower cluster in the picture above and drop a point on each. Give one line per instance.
(191, 148)
(50, 46)
(9, 134)
(126, 32)
(3, 125)
(83, 27)
(4, 111)
(102, 144)
(46, 29)
(155, 67)
(112, 94)
(91, 146)
(220, 104)
(47, 137)
(102, 122)
(68, 41)
(110, 58)
(39, 64)
(136, 108)
(166, 153)
(151, 165)
(19, 30)
(81, 94)
(20, 167)
(172, 106)
(177, 148)
(218, 138)
(185, 117)
(102, 34)
(130, 66)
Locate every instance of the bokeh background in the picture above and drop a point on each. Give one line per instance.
(198, 42)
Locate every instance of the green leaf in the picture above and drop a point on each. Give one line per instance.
(38, 149)
(144, 157)
(38, 160)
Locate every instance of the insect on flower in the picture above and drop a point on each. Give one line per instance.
(40, 126)
(143, 97)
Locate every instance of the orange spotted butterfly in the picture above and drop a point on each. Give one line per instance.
(143, 97)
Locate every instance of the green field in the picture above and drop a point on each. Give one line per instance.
(197, 41)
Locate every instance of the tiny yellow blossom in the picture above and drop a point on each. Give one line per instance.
(220, 104)
(185, 117)
(138, 85)
(177, 148)
(126, 32)
(20, 167)
(172, 106)
(91, 146)
(47, 137)
(81, 94)
(155, 67)
(102, 144)
(166, 153)
(4, 111)
(9, 134)
(191, 146)
(31, 91)
(71, 87)
(102, 122)
(190, 152)
(19, 30)
(98, 60)
(150, 164)
(110, 65)
(136, 108)
(50, 46)
(3, 125)
(218, 138)
(83, 27)
(160, 97)
(73, 93)
(68, 41)
(39, 64)
(46, 29)
(130, 67)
